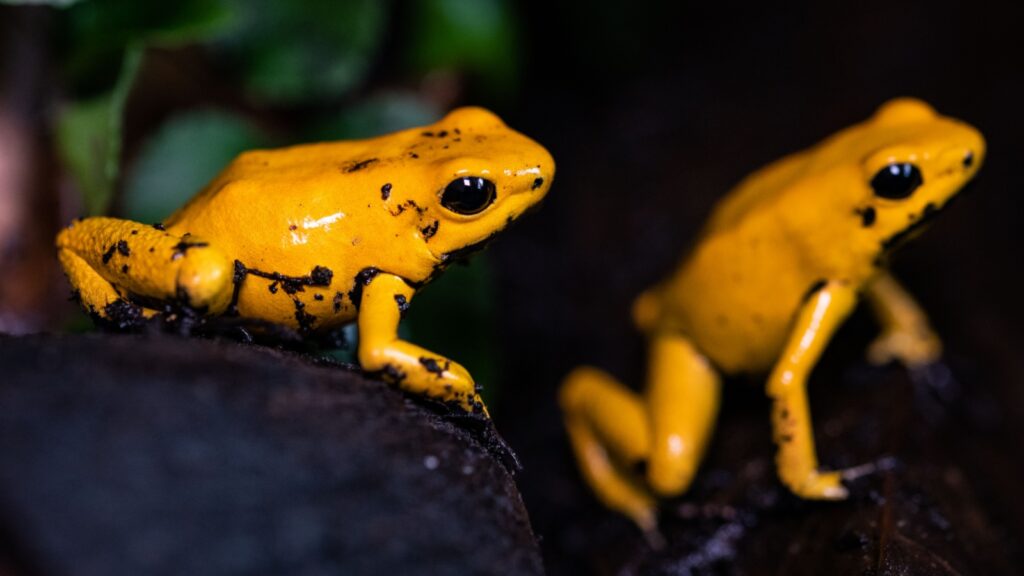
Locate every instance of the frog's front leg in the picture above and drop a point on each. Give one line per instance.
(412, 368)
(906, 334)
(109, 261)
(816, 322)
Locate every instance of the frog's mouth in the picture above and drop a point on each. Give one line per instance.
(928, 215)
(456, 256)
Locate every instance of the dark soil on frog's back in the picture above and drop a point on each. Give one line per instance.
(161, 455)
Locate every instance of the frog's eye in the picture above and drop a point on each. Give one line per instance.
(897, 181)
(469, 195)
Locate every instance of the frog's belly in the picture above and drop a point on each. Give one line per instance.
(737, 338)
(294, 305)
(280, 282)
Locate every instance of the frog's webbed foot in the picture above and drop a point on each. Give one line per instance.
(914, 347)
(125, 272)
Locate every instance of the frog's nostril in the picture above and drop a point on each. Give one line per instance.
(968, 159)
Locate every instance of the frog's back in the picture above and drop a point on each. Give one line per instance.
(757, 190)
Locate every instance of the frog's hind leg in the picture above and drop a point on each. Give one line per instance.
(109, 261)
(682, 397)
(99, 297)
(608, 431)
(613, 430)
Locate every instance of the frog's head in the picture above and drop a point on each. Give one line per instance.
(920, 164)
(477, 176)
(891, 174)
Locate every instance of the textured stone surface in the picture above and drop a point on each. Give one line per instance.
(160, 455)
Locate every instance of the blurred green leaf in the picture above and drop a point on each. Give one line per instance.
(98, 31)
(305, 50)
(379, 114)
(182, 157)
(455, 316)
(105, 43)
(55, 3)
(89, 137)
(477, 36)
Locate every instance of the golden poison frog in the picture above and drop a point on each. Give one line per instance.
(315, 236)
(777, 269)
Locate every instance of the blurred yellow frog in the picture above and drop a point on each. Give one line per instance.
(316, 236)
(777, 269)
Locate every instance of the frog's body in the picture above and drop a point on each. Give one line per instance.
(776, 270)
(316, 236)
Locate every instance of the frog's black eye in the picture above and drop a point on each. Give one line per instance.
(897, 181)
(469, 195)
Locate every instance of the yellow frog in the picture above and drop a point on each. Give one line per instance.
(777, 269)
(316, 236)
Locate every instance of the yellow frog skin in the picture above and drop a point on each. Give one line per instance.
(316, 236)
(777, 269)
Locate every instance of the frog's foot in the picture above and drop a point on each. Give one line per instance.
(912, 347)
(906, 334)
(112, 262)
(817, 485)
(422, 372)
(821, 485)
(101, 299)
(411, 367)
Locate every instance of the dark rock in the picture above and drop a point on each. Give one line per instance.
(161, 455)
(918, 508)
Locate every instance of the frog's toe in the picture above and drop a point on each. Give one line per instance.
(911, 349)
(822, 486)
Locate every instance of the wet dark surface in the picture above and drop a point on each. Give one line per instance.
(163, 455)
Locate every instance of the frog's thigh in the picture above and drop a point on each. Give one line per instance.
(682, 400)
(147, 262)
(608, 430)
(816, 322)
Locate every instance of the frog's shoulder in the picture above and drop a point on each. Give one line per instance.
(756, 192)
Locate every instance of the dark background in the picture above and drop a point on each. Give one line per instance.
(652, 112)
